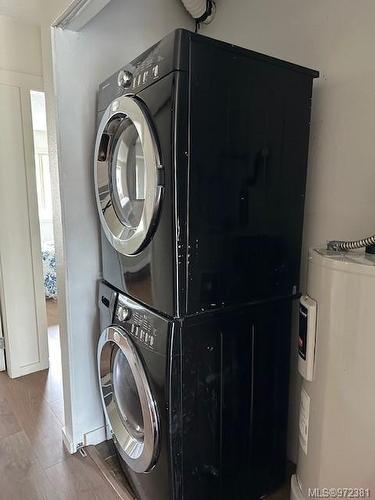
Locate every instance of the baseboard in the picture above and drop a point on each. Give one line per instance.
(95, 437)
(68, 443)
(21, 371)
(89, 438)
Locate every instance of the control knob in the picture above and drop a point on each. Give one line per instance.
(123, 313)
(124, 78)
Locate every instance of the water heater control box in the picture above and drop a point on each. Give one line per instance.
(307, 337)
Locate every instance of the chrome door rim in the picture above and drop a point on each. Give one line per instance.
(114, 230)
(140, 455)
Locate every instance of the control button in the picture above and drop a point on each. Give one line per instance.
(123, 313)
(132, 327)
(136, 332)
(145, 75)
(146, 337)
(139, 79)
(142, 335)
(124, 79)
(151, 340)
(155, 70)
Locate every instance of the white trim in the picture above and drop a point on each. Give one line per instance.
(96, 436)
(93, 437)
(79, 13)
(26, 369)
(21, 80)
(68, 443)
(53, 130)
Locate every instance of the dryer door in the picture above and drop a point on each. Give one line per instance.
(128, 180)
(127, 399)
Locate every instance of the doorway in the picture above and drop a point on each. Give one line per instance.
(47, 241)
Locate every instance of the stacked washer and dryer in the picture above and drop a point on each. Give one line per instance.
(200, 170)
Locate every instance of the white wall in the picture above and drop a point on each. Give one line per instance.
(336, 37)
(20, 46)
(119, 33)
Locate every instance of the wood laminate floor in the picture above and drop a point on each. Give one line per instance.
(33, 462)
(52, 308)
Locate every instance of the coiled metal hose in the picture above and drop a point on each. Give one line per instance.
(344, 246)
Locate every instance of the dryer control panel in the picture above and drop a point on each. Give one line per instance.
(170, 54)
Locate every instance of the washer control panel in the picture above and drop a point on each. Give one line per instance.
(143, 330)
(145, 326)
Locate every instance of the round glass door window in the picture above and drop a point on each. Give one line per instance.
(127, 175)
(126, 395)
(127, 400)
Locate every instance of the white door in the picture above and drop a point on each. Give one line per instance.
(21, 286)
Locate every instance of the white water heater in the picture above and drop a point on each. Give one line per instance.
(336, 456)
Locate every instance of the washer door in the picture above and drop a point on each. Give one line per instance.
(127, 175)
(127, 399)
